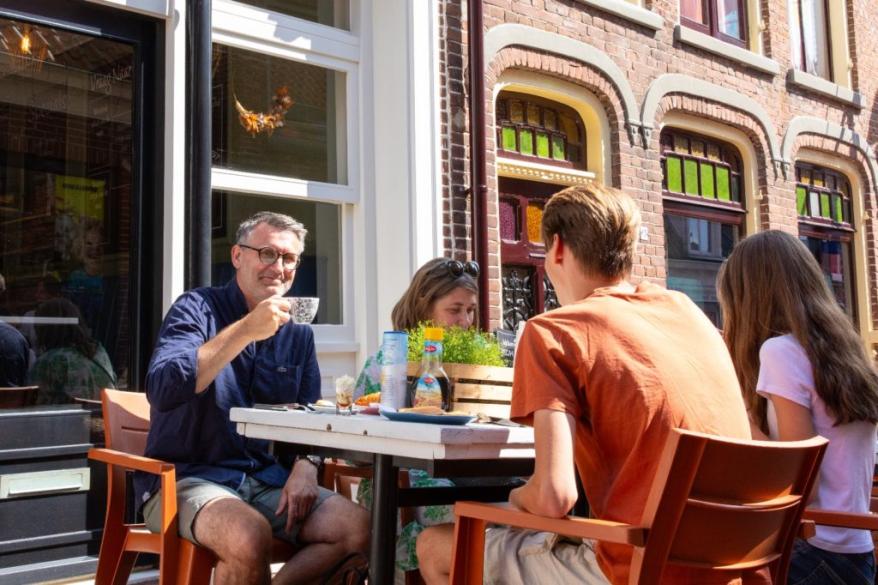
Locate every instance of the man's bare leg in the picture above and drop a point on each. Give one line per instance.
(434, 553)
(240, 537)
(334, 530)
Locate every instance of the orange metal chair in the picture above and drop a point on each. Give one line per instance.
(715, 503)
(126, 424)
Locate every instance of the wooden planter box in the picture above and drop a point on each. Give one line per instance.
(477, 389)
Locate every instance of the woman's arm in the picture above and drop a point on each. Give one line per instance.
(794, 424)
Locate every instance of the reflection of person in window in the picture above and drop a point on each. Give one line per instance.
(90, 288)
(70, 364)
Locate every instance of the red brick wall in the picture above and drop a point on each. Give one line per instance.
(645, 55)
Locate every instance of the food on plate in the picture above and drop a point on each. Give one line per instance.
(368, 399)
(326, 403)
(423, 410)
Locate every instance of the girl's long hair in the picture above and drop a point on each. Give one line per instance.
(771, 285)
(430, 283)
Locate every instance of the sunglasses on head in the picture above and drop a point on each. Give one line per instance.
(456, 268)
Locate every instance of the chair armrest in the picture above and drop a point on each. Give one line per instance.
(807, 529)
(841, 519)
(509, 515)
(129, 461)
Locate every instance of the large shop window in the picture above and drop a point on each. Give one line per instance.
(724, 19)
(66, 210)
(319, 271)
(809, 37)
(534, 129)
(276, 116)
(823, 201)
(703, 194)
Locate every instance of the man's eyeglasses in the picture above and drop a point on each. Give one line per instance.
(456, 268)
(268, 256)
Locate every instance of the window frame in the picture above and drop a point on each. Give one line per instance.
(802, 64)
(543, 104)
(711, 28)
(732, 213)
(832, 231)
(286, 37)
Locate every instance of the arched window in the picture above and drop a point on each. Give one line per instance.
(703, 198)
(541, 130)
(823, 202)
(534, 134)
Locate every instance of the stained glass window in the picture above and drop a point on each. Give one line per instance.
(822, 195)
(541, 130)
(703, 213)
(823, 202)
(700, 168)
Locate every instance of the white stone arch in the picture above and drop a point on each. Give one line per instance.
(685, 84)
(506, 35)
(811, 125)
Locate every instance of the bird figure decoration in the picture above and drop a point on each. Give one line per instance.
(258, 122)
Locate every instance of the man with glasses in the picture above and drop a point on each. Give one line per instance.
(234, 345)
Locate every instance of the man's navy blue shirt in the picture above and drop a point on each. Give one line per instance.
(194, 431)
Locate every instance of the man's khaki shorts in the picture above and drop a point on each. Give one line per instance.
(194, 493)
(525, 557)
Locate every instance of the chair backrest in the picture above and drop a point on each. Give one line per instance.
(725, 503)
(126, 420)
(18, 396)
(477, 389)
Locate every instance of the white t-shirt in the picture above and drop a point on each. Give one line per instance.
(849, 463)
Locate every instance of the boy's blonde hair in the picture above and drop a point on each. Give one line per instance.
(599, 224)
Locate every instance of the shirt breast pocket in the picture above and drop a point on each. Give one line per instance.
(275, 382)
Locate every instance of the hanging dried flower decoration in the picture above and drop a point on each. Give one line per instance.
(258, 122)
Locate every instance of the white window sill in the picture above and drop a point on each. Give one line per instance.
(825, 88)
(629, 11)
(729, 51)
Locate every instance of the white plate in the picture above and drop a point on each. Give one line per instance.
(323, 409)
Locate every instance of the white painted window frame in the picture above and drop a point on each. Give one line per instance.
(286, 37)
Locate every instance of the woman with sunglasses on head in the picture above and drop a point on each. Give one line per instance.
(804, 372)
(443, 292)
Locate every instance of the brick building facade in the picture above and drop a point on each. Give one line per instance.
(793, 116)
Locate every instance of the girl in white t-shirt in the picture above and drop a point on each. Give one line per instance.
(804, 372)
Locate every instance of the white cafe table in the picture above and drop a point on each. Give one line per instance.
(476, 450)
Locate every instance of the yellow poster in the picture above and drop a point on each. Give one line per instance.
(79, 196)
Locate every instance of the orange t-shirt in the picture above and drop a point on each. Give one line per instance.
(629, 367)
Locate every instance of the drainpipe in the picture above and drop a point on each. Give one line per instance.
(478, 170)
(198, 142)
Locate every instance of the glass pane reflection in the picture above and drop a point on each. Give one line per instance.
(66, 102)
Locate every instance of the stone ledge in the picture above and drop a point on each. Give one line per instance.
(628, 11)
(729, 51)
(825, 88)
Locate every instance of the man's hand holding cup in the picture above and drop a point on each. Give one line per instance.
(267, 317)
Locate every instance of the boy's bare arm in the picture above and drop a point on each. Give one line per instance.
(551, 491)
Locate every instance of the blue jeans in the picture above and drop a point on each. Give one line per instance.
(814, 566)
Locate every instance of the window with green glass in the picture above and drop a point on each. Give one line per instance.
(703, 213)
(822, 195)
(696, 166)
(538, 129)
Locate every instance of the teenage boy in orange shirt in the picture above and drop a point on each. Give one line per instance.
(603, 380)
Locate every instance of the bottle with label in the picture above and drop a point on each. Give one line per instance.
(431, 387)
(394, 360)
